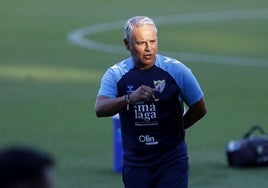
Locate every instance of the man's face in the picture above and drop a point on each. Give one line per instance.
(143, 46)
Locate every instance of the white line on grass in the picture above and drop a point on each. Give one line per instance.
(78, 36)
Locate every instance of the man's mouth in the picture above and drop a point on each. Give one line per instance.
(148, 56)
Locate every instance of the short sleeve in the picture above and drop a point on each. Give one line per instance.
(190, 88)
(108, 85)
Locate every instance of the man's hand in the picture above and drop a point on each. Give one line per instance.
(143, 93)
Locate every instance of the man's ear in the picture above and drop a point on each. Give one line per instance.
(127, 45)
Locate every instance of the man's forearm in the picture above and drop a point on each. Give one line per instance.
(195, 113)
(190, 118)
(105, 106)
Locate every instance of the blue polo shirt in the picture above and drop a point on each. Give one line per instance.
(152, 132)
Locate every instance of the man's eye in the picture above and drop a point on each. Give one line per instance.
(140, 43)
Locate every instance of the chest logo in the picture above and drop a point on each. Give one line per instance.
(160, 85)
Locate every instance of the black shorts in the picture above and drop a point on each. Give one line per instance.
(173, 175)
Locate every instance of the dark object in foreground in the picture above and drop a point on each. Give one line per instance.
(25, 167)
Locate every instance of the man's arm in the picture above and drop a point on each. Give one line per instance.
(194, 113)
(106, 106)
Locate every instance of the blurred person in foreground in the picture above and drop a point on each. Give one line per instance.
(148, 91)
(23, 167)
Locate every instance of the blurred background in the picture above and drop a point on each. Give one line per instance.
(49, 80)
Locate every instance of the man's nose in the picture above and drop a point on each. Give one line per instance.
(148, 46)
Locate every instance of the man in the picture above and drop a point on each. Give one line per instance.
(148, 91)
(22, 167)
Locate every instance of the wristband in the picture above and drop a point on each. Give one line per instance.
(127, 99)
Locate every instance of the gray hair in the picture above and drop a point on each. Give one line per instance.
(136, 21)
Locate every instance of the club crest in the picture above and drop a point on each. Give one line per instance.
(160, 85)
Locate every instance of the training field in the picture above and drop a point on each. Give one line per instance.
(53, 54)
